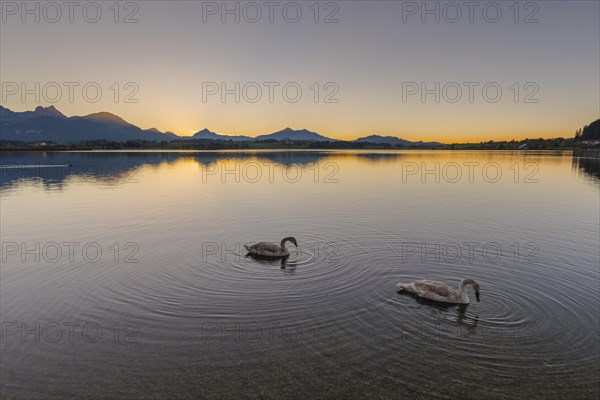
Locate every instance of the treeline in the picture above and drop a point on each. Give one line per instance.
(526, 144)
(125, 145)
(581, 141)
(202, 144)
(589, 132)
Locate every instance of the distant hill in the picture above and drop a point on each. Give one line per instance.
(394, 141)
(49, 124)
(8, 116)
(206, 134)
(291, 134)
(107, 118)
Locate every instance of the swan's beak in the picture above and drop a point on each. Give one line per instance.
(477, 296)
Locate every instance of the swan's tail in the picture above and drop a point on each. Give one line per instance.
(247, 247)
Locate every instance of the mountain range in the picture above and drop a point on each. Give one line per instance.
(208, 135)
(393, 141)
(50, 125)
(291, 134)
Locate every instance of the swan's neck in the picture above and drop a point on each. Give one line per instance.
(462, 291)
(285, 250)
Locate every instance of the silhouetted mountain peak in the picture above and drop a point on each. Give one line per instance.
(393, 141)
(382, 136)
(208, 134)
(106, 117)
(204, 134)
(50, 111)
(288, 129)
(293, 134)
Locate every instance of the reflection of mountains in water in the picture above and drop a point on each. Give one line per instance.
(588, 161)
(54, 169)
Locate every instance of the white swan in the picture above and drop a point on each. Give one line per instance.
(271, 249)
(439, 291)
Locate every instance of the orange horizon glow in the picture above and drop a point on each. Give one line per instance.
(415, 137)
(369, 73)
(411, 130)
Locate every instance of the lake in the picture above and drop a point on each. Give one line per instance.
(124, 274)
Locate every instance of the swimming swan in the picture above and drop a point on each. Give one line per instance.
(271, 249)
(439, 291)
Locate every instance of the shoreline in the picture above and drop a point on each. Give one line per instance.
(175, 149)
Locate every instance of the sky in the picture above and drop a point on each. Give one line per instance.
(433, 70)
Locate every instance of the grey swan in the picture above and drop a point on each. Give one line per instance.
(271, 249)
(438, 291)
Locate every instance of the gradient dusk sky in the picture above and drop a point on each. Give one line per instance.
(368, 61)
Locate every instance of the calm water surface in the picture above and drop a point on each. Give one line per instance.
(123, 275)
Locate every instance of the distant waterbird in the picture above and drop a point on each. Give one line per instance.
(271, 249)
(438, 291)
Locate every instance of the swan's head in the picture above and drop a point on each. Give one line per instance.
(474, 285)
(289, 239)
(476, 288)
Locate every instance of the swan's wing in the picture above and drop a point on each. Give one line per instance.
(264, 247)
(272, 247)
(433, 290)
